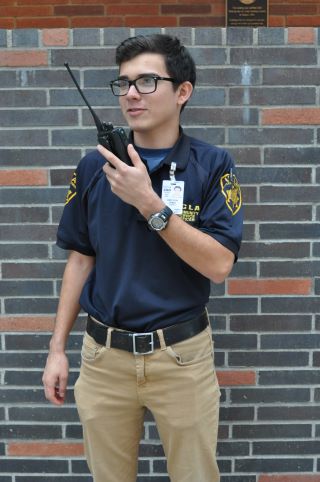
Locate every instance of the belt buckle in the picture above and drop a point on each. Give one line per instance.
(151, 343)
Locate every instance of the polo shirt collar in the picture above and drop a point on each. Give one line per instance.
(178, 154)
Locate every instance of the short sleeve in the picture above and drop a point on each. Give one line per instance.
(73, 227)
(221, 214)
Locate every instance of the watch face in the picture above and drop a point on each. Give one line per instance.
(157, 223)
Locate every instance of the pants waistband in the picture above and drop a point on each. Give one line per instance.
(146, 343)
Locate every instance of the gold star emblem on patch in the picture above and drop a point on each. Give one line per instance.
(230, 188)
(72, 189)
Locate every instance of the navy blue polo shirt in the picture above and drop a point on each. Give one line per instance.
(138, 283)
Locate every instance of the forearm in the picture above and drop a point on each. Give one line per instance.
(76, 272)
(198, 249)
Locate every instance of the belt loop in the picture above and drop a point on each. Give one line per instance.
(163, 345)
(108, 342)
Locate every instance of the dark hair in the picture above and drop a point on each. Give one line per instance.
(178, 61)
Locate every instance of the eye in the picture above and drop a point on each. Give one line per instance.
(146, 81)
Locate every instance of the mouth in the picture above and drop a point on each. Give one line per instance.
(135, 110)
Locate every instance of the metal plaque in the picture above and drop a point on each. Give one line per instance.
(247, 13)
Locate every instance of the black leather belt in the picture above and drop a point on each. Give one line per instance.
(145, 343)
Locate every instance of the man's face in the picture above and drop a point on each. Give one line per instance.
(150, 114)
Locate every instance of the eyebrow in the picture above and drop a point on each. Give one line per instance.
(125, 77)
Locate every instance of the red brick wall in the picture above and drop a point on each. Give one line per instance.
(144, 13)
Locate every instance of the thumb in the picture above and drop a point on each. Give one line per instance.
(135, 158)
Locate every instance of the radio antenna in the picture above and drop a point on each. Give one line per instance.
(94, 115)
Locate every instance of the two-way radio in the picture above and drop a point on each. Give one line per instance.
(113, 138)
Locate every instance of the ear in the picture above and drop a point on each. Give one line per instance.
(184, 92)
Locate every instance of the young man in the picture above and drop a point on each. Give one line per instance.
(142, 257)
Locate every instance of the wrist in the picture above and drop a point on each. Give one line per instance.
(152, 204)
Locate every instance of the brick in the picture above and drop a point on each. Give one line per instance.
(290, 305)
(275, 250)
(33, 270)
(208, 36)
(301, 35)
(15, 431)
(86, 37)
(296, 194)
(24, 214)
(55, 37)
(270, 286)
(26, 251)
(296, 413)
(289, 478)
(252, 431)
(270, 323)
(47, 478)
(273, 56)
(82, 58)
(132, 9)
(207, 97)
(292, 116)
(290, 231)
(271, 36)
(16, 306)
(266, 395)
(304, 269)
(273, 465)
(268, 359)
(223, 116)
(208, 55)
(113, 36)
(26, 137)
(76, 10)
(43, 414)
(26, 323)
(290, 76)
(232, 305)
(25, 38)
(45, 449)
(44, 22)
(275, 96)
(24, 465)
(26, 288)
(231, 378)
(286, 341)
(39, 157)
(100, 21)
(235, 341)
(245, 155)
(303, 21)
(201, 21)
(22, 98)
(76, 137)
(32, 196)
(286, 448)
(263, 175)
(287, 155)
(31, 232)
(195, 9)
(224, 77)
(23, 58)
(23, 177)
(30, 11)
(298, 377)
(270, 212)
(270, 135)
(40, 117)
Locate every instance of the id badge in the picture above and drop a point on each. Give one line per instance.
(172, 195)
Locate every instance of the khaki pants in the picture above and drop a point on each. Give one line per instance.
(177, 384)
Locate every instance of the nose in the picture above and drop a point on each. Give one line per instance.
(132, 92)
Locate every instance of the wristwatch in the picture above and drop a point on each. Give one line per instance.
(158, 221)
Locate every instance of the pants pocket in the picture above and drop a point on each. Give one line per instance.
(90, 350)
(194, 350)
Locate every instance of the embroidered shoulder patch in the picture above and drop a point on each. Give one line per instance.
(72, 188)
(230, 188)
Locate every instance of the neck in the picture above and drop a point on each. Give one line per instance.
(156, 140)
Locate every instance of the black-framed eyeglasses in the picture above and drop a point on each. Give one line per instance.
(144, 84)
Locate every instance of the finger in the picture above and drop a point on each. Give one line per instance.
(135, 158)
(109, 156)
